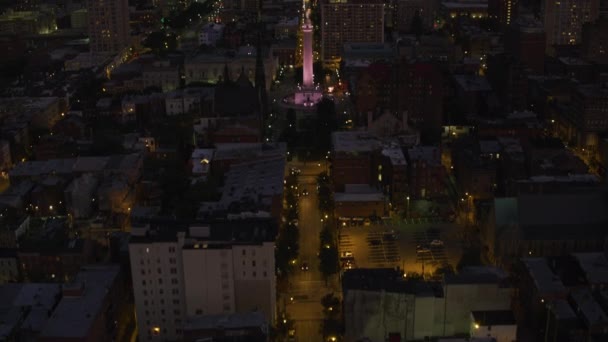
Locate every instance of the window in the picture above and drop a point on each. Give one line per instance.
(176, 302)
(254, 274)
(174, 291)
(253, 263)
(199, 311)
(160, 271)
(143, 282)
(173, 281)
(173, 270)
(171, 249)
(244, 252)
(265, 274)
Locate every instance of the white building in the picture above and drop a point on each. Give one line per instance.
(210, 34)
(210, 68)
(499, 325)
(192, 100)
(181, 272)
(381, 301)
(163, 75)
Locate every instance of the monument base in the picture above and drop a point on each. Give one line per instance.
(307, 97)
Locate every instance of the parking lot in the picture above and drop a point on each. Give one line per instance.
(419, 248)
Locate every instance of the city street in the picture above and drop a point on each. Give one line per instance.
(306, 288)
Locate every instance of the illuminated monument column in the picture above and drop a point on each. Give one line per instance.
(307, 53)
(308, 94)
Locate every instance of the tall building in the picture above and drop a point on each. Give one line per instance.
(595, 41)
(405, 10)
(349, 21)
(504, 11)
(525, 40)
(564, 19)
(182, 272)
(108, 25)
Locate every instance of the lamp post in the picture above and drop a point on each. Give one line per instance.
(407, 210)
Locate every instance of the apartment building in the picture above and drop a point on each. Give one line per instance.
(564, 19)
(108, 25)
(183, 271)
(349, 21)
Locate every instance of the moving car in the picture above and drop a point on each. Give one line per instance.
(304, 266)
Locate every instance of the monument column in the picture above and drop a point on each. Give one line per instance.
(307, 77)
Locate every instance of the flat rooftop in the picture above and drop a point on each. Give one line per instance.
(493, 317)
(233, 321)
(546, 282)
(354, 142)
(594, 265)
(74, 315)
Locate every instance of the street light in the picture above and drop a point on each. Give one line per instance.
(407, 211)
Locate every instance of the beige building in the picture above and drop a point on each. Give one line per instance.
(163, 75)
(564, 19)
(349, 21)
(204, 269)
(210, 68)
(108, 22)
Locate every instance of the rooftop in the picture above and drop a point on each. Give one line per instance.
(493, 317)
(546, 282)
(380, 279)
(562, 310)
(472, 83)
(232, 321)
(590, 309)
(74, 315)
(594, 265)
(75, 165)
(359, 193)
(354, 142)
(395, 154)
(241, 231)
(40, 298)
(476, 275)
(430, 154)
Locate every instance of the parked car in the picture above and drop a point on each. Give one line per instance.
(422, 249)
(436, 243)
(347, 255)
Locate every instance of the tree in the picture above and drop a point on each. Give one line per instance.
(331, 305)
(326, 123)
(161, 42)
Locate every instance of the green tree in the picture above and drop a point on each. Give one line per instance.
(161, 42)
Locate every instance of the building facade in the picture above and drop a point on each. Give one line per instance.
(564, 19)
(349, 21)
(184, 272)
(108, 25)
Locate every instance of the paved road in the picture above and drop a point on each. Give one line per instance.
(307, 287)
